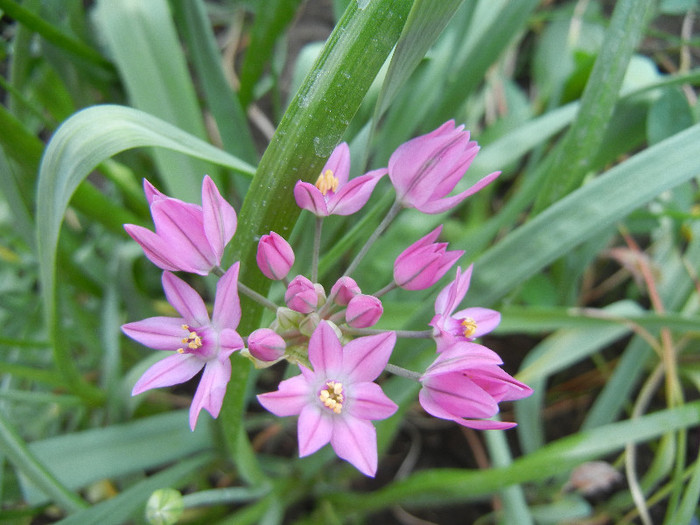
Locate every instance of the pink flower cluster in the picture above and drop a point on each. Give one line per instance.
(329, 336)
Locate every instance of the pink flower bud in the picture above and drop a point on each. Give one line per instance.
(301, 295)
(275, 256)
(344, 289)
(266, 345)
(423, 263)
(363, 311)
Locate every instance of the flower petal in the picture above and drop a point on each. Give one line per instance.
(314, 429)
(219, 218)
(158, 251)
(227, 306)
(450, 296)
(229, 342)
(185, 300)
(355, 440)
(364, 358)
(355, 194)
(442, 205)
(292, 396)
(325, 351)
(172, 370)
(211, 390)
(368, 401)
(486, 319)
(151, 192)
(310, 198)
(339, 163)
(159, 333)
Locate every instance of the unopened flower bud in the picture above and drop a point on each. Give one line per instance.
(164, 507)
(301, 295)
(288, 319)
(363, 311)
(275, 256)
(344, 289)
(309, 324)
(266, 345)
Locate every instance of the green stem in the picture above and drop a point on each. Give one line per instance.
(402, 372)
(317, 249)
(255, 296)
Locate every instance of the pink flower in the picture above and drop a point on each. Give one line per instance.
(423, 263)
(465, 382)
(337, 400)
(301, 295)
(344, 290)
(425, 169)
(275, 256)
(198, 342)
(363, 311)
(188, 237)
(465, 325)
(333, 194)
(266, 345)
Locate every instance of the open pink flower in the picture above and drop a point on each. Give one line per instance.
(337, 400)
(465, 384)
(188, 237)
(197, 341)
(465, 325)
(423, 263)
(333, 194)
(426, 169)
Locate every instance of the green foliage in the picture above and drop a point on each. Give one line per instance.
(588, 243)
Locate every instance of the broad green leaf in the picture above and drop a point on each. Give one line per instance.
(585, 213)
(440, 486)
(573, 157)
(668, 115)
(81, 143)
(116, 450)
(313, 125)
(129, 504)
(142, 40)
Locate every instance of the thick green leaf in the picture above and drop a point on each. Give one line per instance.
(585, 213)
(81, 143)
(116, 450)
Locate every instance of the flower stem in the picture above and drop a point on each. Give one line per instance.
(402, 372)
(255, 296)
(389, 287)
(317, 249)
(390, 216)
(409, 334)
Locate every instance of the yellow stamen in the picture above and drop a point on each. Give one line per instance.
(332, 396)
(469, 325)
(193, 341)
(327, 182)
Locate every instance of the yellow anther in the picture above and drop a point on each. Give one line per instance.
(327, 182)
(332, 396)
(469, 325)
(180, 351)
(193, 341)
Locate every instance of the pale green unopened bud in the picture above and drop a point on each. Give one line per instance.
(309, 324)
(164, 507)
(288, 319)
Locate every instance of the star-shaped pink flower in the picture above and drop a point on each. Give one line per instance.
(197, 341)
(337, 400)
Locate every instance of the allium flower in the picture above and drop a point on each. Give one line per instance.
(363, 311)
(465, 325)
(266, 344)
(423, 263)
(188, 237)
(198, 342)
(333, 194)
(301, 295)
(427, 168)
(337, 400)
(275, 256)
(465, 384)
(344, 289)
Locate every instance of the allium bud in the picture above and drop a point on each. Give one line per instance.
(423, 263)
(288, 319)
(275, 256)
(266, 345)
(363, 311)
(301, 295)
(344, 289)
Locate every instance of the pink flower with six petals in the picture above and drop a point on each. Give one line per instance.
(198, 341)
(188, 237)
(338, 399)
(466, 382)
(423, 263)
(426, 169)
(333, 194)
(465, 325)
